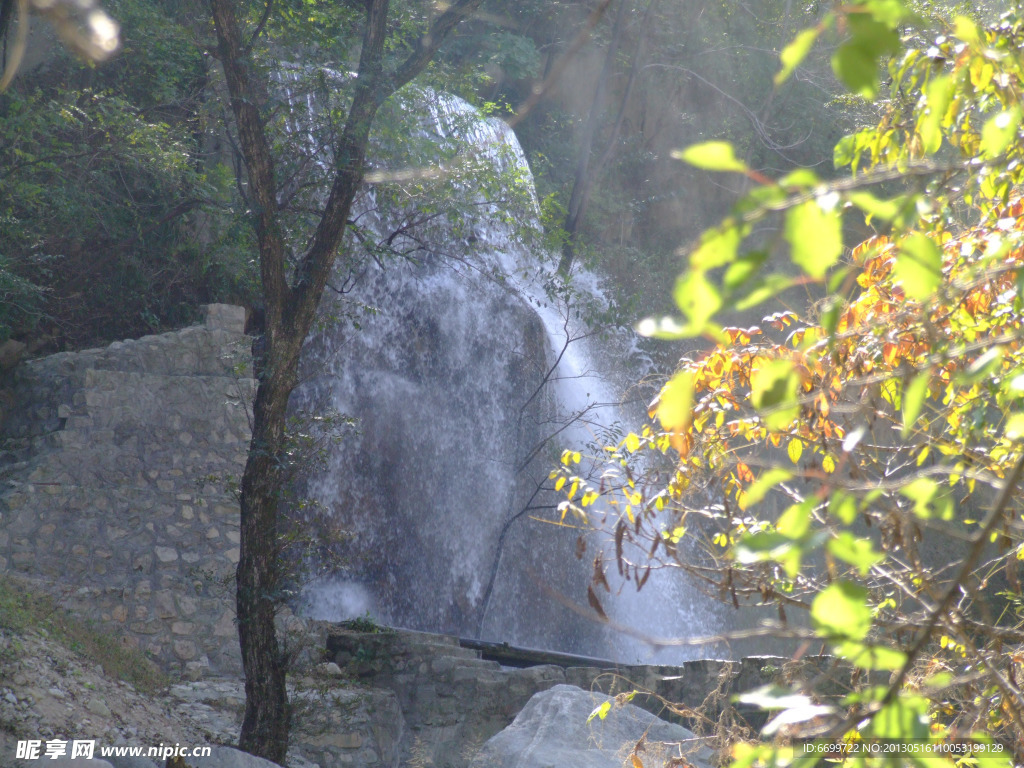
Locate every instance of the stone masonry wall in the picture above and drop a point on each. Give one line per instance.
(114, 473)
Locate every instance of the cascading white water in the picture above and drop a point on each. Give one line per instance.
(462, 411)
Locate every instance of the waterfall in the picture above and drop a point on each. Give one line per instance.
(443, 341)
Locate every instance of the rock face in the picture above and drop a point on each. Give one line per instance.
(552, 730)
(114, 487)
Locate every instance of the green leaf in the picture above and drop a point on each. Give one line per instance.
(983, 367)
(844, 151)
(999, 132)
(873, 206)
(843, 506)
(768, 480)
(743, 269)
(717, 247)
(801, 178)
(767, 287)
(773, 393)
(814, 232)
(904, 718)
(794, 53)
(601, 711)
(871, 657)
(919, 266)
(796, 521)
(890, 12)
(1014, 427)
(966, 30)
(856, 61)
(858, 552)
(759, 547)
(841, 610)
(921, 491)
(698, 299)
(914, 395)
(711, 156)
(937, 97)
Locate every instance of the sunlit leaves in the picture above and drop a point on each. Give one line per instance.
(914, 395)
(999, 131)
(717, 247)
(856, 61)
(814, 232)
(794, 53)
(937, 97)
(858, 552)
(928, 500)
(796, 521)
(698, 299)
(871, 657)
(893, 403)
(769, 546)
(711, 156)
(760, 488)
(905, 717)
(841, 610)
(774, 385)
(876, 207)
(601, 710)
(918, 266)
(674, 407)
(795, 450)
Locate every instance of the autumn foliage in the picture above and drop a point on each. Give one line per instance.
(857, 463)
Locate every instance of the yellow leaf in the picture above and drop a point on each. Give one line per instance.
(675, 404)
(795, 449)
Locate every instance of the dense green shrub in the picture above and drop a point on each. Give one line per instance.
(117, 221)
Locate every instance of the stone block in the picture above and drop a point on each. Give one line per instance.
(145, 627)
(187, 605)
(166, 554)
(185, 650)
(225, 626)
(225, 317)
(352, 740)
(163, 604)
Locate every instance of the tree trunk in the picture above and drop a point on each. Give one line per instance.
(586, 172)
(267, 712)
(577, 199)
(291, 306)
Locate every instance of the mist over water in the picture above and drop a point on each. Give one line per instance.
(465, 392)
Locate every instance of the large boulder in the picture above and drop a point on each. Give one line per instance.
(552, 730)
